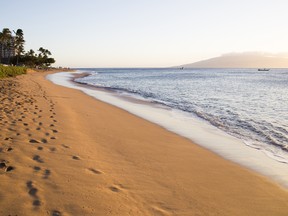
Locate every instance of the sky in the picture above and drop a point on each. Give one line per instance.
(147, 33)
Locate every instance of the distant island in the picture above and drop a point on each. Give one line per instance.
(241, 60)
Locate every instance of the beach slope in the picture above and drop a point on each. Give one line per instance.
(65, 153)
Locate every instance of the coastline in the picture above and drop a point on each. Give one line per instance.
(185, 125)
(99, 159)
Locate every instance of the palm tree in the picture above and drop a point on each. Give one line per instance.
(43, 57)
(30, 58)
(31, 52)
(19, 43)
(44, 52)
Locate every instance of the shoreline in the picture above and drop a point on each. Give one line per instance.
(198, 131)
(75, 155)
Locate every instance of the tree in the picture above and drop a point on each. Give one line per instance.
(30, 58)
(14, 46)
(44, 52)
(31, 52)
(50, 61)
(19, 44)
(44, 59)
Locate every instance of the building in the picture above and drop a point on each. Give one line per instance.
(7, 50)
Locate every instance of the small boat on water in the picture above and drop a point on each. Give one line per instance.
(263, 69)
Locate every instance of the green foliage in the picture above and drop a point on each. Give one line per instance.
(19, 44)
(41, 60)
(11, 71)
(34, 60)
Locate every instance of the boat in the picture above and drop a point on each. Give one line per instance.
(263, 69)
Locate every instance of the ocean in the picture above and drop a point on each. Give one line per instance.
(246, 105)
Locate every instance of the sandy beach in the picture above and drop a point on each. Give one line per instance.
(65, 153)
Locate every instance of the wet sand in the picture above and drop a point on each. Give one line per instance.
(65, 153)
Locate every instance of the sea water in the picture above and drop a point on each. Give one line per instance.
(241, 114)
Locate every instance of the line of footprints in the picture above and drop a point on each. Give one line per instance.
(16, 124)
(15, 107)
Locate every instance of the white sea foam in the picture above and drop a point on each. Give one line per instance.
(186, 125)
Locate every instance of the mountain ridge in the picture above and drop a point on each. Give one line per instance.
(241, 61)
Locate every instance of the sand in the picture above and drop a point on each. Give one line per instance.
(65, 153)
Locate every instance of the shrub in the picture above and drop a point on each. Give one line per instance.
(11, 71)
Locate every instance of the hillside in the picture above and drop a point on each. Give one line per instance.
(241, 61)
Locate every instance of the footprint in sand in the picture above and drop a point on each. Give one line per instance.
(40, 148)
(33, 141)
(114, 189)
(32, 190)
(65, 146)
(36, 168)
(52, 149)
(38, 159)
(74, 157)
(118, 188)
(56, 213)
(9, 149)
(94, 171)
(33, 193)
(11, 129)
(5, 168)
(44, 141)
(46, 174)
(36, 203)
